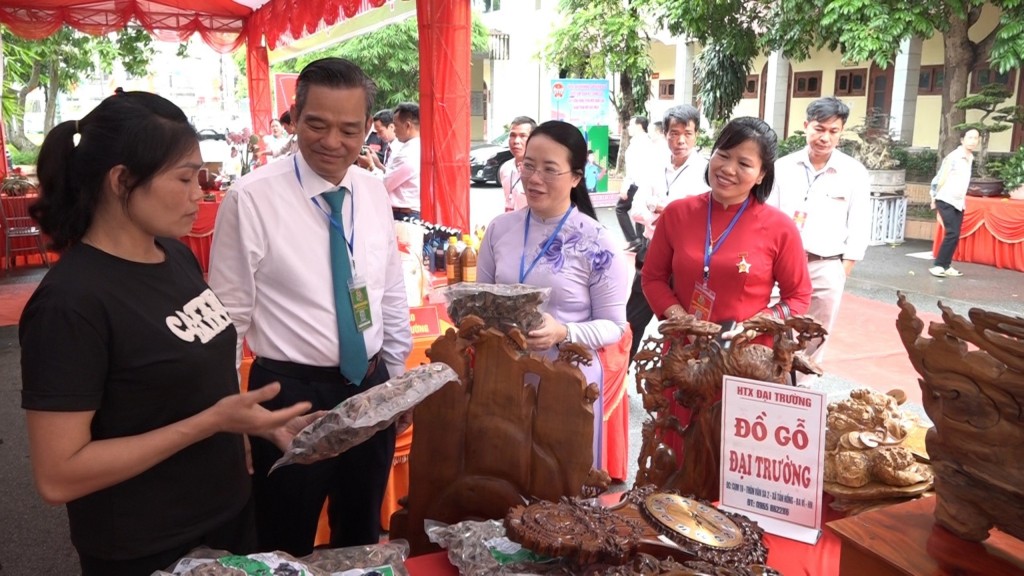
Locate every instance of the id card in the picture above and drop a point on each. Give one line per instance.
(702, 301)
(360, 303)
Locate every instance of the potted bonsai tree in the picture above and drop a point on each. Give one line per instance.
(874, 148)
(995, 118)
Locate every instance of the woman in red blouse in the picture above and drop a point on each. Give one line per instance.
(718, 255)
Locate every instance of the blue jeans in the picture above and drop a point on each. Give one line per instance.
(951, 220)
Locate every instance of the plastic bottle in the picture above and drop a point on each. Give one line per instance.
(451, 260)
(468, 260)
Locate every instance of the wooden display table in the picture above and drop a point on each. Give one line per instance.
(904, 540)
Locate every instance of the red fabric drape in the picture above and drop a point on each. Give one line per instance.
(220, 23)
(992, 233)
(257, 70)
(445, 29)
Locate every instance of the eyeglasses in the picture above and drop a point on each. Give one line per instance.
(546, 174)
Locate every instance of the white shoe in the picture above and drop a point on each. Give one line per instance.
(953, 272)
(938, 271)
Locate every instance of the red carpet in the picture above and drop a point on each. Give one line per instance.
(866, 348)
(12, 301)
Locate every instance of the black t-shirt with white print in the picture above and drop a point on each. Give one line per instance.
(142, 345)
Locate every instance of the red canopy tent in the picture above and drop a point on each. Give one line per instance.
(264, 24)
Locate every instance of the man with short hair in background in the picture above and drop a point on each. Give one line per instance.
(828, 195)
(380, 143)
(402, 173)
(509, 172)
(678, 174)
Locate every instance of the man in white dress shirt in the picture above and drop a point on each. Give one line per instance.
(271, 267)
(828, 195)
(675, 175)
(402, 173)
(511, 180)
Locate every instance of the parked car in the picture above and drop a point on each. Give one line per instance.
(486, 159)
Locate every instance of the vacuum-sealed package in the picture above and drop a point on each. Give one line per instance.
(501, 306)
(358, 418)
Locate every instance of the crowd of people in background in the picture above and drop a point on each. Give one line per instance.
(724, 234)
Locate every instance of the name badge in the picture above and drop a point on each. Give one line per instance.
(799, 218)
(360, 298)
(702, 301)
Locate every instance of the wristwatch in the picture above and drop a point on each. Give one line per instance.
(568, 336)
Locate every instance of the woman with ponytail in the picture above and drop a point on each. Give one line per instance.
(556, 242)
(128, 358)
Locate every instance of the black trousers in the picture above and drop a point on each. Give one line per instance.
(622, 208)
(288, 502)
(638, 311)
(952, 219)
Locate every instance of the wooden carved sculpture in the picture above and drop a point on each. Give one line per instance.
(686, 366)
(975, 398)
(515, 427)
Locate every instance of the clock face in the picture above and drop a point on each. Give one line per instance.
(693, 520)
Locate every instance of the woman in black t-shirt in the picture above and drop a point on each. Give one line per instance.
(128, 358)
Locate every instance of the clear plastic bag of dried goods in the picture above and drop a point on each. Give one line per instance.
(502, 306)
(483, 549)
(357, 419)
(377, 559)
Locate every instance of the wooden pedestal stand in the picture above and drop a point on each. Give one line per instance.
(516, 426)
(904, 540)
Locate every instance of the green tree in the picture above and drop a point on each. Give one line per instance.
(390, 55)
(58, 63)
(602, 37)
(861, 30)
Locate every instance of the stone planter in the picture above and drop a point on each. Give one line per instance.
(888, 182)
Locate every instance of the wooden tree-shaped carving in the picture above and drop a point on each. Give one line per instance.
(516, 426)
(974, 397)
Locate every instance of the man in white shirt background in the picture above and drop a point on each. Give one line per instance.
(402, 173)
(671, 176)
(511, 180)
(637, 157)
(828, 195)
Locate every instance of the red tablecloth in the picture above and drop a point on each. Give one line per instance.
(787, 556)
(992, 233)
(16, 205)
(201, 236)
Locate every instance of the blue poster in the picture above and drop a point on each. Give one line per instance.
(581, 102)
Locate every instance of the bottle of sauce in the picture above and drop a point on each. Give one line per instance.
(451, 259)
(468, 260)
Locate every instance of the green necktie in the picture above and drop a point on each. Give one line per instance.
(352, 346)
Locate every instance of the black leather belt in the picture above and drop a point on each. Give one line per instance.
(816, 258)
(403, 210)
(314, 373)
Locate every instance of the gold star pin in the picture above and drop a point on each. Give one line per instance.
(743, 265)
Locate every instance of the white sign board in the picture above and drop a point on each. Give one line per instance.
(773, 449)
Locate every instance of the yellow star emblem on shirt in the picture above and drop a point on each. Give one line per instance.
(743, 265)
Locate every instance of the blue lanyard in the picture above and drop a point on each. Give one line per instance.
(709, 249)
(350, 240)
(523, 271)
